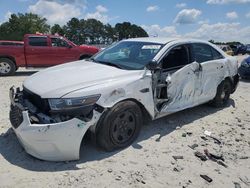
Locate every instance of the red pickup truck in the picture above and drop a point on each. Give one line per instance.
(40, 51)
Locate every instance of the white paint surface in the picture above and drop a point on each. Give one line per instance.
(187, 87)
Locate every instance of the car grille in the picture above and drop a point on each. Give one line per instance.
(36, 100)
(16, 117)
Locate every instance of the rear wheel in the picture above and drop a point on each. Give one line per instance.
(7, 67)
(120, 126)
(223, 94)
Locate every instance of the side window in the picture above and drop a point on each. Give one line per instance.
(58, 42)
(176, 58)
(38, 41)
(216, 54)
(202, 52)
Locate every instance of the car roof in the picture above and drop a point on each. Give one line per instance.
(163, 40)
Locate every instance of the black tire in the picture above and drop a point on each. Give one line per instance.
(223, 94)
(120, 126)
(7, 67)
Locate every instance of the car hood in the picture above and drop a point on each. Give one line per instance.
(88, 49)
(55, 82)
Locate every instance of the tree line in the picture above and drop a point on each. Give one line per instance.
(234, 43)
(80, 31)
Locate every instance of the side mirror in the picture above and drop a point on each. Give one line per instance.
(152, 66)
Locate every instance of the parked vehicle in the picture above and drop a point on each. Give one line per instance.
(112, 93)
(39, 50)
(244, 69)
(234, 48)
(227, 49)
(248, 49)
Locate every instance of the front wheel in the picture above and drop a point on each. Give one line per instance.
(223, 94)
(120, 126)
(7, 67)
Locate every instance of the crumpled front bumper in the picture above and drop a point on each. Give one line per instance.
(55, 141)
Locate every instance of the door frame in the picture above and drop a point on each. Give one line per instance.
(157, 75)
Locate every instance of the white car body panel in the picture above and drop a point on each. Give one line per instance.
(53, 142)
(181, 89)
(187, 87)
(65, 78)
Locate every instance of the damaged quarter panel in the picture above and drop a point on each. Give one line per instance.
(212, 74)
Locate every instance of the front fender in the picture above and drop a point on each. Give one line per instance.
(139, 90)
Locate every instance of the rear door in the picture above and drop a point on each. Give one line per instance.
(213, 65)
(61, 52)
(36, 51)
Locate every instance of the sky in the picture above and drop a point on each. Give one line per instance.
(219, 20)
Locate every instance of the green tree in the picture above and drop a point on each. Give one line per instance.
(126, 30)
(109, 34)
(21, 24)
(73, 30)
(56, 28)
(94, 31)
(79, 31)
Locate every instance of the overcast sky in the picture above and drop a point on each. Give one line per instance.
(220, 20)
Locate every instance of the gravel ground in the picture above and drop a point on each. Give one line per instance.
(149, 161)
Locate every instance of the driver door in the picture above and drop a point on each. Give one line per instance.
(177, 82)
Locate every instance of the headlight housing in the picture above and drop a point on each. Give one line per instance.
(72, 103)
(245, 64)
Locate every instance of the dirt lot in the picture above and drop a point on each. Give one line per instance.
(149, 161)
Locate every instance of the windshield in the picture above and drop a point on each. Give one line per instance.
(128, 54)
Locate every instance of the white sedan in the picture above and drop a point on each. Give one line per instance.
(113, 92)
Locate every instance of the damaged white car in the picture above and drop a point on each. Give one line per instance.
(114, 91)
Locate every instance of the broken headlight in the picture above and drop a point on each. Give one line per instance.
(72, 103)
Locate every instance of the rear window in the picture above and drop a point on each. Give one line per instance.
(204, 52)
(216, 54)
(38, 41)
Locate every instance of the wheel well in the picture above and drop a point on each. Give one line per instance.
(144, 111)
(84, 56)
(146, 115)
(11, 58)
(230, 81)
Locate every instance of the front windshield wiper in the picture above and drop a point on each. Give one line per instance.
(107, 63)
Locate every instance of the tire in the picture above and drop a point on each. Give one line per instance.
(120, 126)
(223, 94)
(7, 67)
